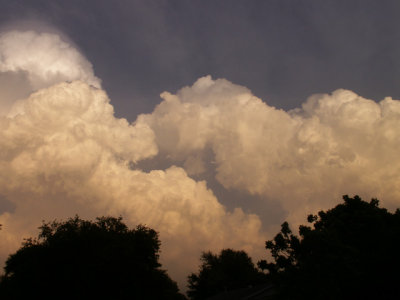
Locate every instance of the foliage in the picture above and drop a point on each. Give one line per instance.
(88, 259)
(350, 252)
(224, 272)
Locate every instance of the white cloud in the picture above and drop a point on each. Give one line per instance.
(63, 152)
(306, 158)
(35, 60)
(67, 154)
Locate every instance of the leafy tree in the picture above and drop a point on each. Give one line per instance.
(224, 272)
(351, 252)
(88, 259)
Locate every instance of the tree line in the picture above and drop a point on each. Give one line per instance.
(348, 252)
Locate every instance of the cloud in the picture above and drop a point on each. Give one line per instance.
(33, 60)
(66, 153)
(305, 158)
(63, 152)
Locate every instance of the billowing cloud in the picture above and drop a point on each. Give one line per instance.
(30, 61)
(63, 152)
(305, 158)
(66, 153)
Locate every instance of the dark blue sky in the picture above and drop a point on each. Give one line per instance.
(283, 50)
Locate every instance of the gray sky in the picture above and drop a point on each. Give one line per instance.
(283, 51)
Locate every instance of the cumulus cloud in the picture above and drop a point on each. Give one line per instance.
(30, 60)
(67, 153)
(63, 152)
(305, 158)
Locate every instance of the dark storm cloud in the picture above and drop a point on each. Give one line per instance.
(282, 50)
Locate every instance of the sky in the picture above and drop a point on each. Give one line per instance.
(210, 121)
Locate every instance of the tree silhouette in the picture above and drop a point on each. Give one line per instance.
(224, 272)
(85, 259)
(351, 252)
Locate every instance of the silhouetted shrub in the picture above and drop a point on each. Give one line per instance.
(227, 271)
(85, 260)
(351, 252)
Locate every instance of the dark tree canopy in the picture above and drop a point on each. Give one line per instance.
(227, 271)
(85, 259)
(351, 252)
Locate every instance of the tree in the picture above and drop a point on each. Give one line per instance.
(224, 272)
(351, 252)
(87, 259)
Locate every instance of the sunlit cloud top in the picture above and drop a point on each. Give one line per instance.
(30, 60)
